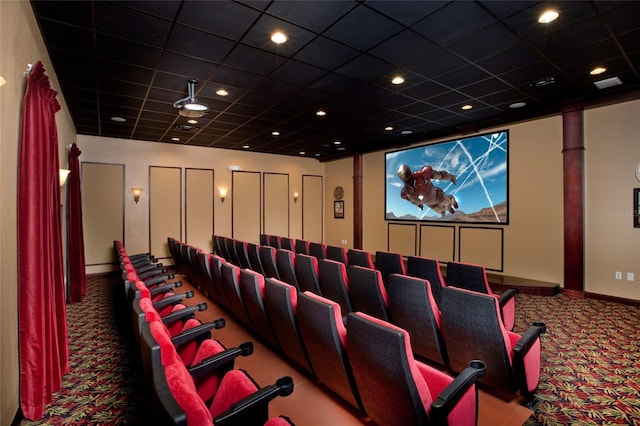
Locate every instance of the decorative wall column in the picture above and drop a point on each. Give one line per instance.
(357, 201)
(573, 166)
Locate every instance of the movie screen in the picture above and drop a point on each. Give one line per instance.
(462, 180)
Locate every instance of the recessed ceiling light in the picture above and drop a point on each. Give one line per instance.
(222, 92)
(245, 146)
(192, 121)
(275, 133)
(302, 153)
(337, 142)
(279, 37)
(118, 119)
(406, 132)
(548, 16)
(321, 113)
(517, 105)
(388, 128)
(341, 148)
(467, 107)
(317, 154)
(397, 80)
(175, 139)
(597, 70)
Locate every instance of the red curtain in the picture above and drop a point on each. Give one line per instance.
(42, 327)
(75, 239)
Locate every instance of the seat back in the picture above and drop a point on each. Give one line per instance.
(253, 252)
(215, 263)
(360, 258)
(285, 262)
(389, 263)
(325, 338)
(222, 247)
(203, 262)
(231, 285)
(414, 309)
(288, 244)
(392, 391)
(275, 241)
(468, 276)
(264, 240)
(252, 292)
(472, 329)
(231, 251)
(302, 246)
(334, 283)
(268, 260)
(307, 273)
(281, 301)
(242, 253)
(339, 254)
(319, 250)
(367, 292)
(427, 269)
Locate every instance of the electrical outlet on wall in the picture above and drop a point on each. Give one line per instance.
(630, 276)
(618, 275)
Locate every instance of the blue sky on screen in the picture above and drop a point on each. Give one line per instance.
(479, 164)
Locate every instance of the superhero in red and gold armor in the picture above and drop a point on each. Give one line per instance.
(419, 190)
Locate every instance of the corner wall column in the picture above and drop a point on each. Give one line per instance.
(573, 167)
(357, 201)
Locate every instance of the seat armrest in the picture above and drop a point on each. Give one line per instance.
(254, 409)
(159, 279)
(507, 295)
(449, 397)
(224, 359)
(151, 273)
(203, 330)
(162, 288)
(527, 339)
(182, 314)
(171, 300)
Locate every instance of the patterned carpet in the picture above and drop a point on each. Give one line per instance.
(104, 386)
(590, 360)
(590, 376)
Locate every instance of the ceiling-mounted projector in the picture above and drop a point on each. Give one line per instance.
(189, 106)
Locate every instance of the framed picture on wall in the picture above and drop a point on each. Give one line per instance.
(338, 209)
(636, 207)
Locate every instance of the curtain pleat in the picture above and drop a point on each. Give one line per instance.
(75, 263)
(42, 327)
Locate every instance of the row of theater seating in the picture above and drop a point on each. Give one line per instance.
(191, 375)
(410, 296)
(368, 362)
(464, 275)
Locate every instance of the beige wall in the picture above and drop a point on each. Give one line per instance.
(611, 156)
(20, 44)
(137, 156)
(533, 240)
(339, 232)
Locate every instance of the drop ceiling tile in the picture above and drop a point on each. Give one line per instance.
(129, 24)
(372, 28)
(226, 19)
(453, 22)
(316, 16)
(198, 44)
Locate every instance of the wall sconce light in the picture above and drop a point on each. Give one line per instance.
(223, 194)
(136, 192)
(64, 174)
(295, 197)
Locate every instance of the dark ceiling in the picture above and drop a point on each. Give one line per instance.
(132, 59)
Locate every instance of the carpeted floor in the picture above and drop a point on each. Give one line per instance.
(105, 384)
(590, 359)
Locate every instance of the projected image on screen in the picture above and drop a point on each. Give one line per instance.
(462, 180)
